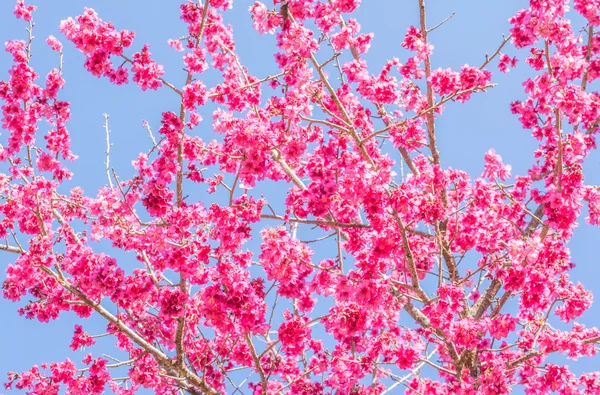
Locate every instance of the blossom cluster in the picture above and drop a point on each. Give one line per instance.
(271, 229)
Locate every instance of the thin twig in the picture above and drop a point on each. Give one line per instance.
(488, 59)
(441, 23)
(333, 224)
(107, 163)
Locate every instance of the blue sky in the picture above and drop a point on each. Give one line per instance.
(465, 132)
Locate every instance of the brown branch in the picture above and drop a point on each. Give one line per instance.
(591, 340)
(536, 220)
(107, 163)
(588, 56)
(430, 116)
(442, 22)
(419, 233)
(250, 85)
(523, 358)
(410, 262)
(488, 59)
(165, 82)
(9, 248)
(500, 304)
(324, 122)
(559, 160)
(534, 354)
(257, 365)
(333, 224)
(486, 299)
(277, 157)
(179, 334)
(441, 226)
(422, 320)
(438, 367)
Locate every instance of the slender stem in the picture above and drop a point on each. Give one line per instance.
(257, 365)
(107, 163)
(488, 59)
(333, 224)
(441, 23)
(588, 55)
(179, 334)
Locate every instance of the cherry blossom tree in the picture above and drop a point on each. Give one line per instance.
(393, 307)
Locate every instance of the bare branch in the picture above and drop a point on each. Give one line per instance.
(107, 163)
(9, 248)
(333, 224)
(441, 23)
(488, 59)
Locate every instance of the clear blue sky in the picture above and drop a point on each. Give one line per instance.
(465, 132)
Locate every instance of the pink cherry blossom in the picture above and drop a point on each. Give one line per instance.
(54, 43)
(506, 62)
(299, 226)
(23, 11)
(146, 72)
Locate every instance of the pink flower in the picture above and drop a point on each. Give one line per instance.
(23, 11)
(175, 44)
(81, 339)
(98, 41)
(47, 163)
(346, 320)
(119, 76)
(445, 82)
(348, 37)
(293, 335)
(501, 326)
(54, 83)
(17, 49)
(172, 302)
(472, 78)
(413, 41)
(411, 68)
(54, 43)
(326, 17)
(506, 62)
(264, 20)
(223, 5)
(146, 72)
(589, 9)
(286, 260)
(576, 300)
(346, 6)
(494, 168)
(158, 198)
(356, 70)
(195, 61)
(297, 40)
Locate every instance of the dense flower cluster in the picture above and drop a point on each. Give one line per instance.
(98, 41)
(465, 275)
